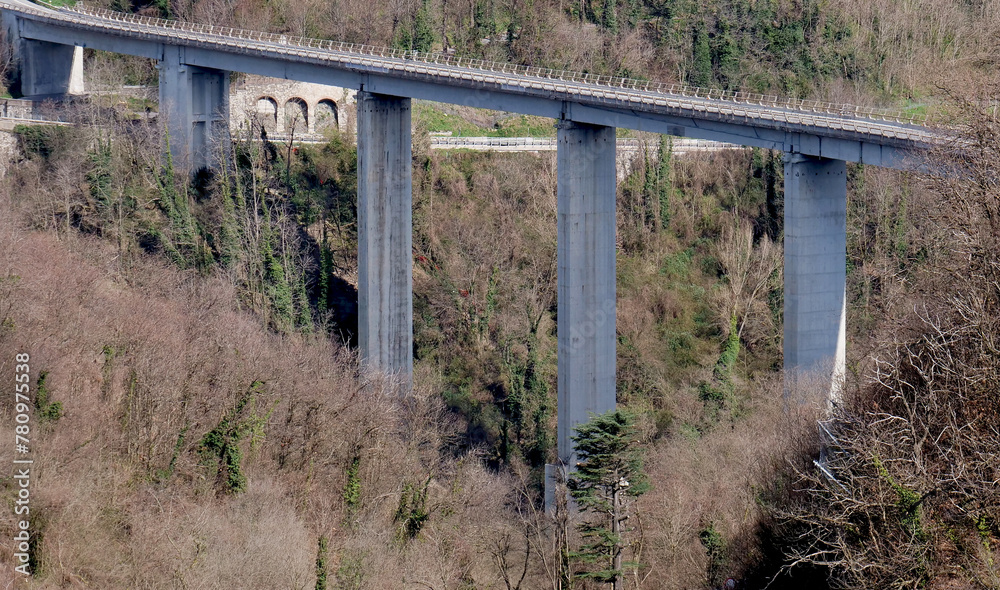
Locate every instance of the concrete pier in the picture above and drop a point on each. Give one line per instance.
(586, 277)
(194, 102)
(47, 68)
(815, 276)
(385, 226)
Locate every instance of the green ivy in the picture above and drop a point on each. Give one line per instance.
(46, 411)
(164, 474)
(909, 501)
(352, 487)
(715, 547)
(412, 512)
(321, 564)
(222, 443)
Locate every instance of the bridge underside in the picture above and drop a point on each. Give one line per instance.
(194, 84)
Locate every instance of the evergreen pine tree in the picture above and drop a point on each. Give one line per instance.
(608, 476)
(608, 17)
(701, 54)
(423, 34)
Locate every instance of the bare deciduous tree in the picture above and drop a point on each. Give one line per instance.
(908, 491)
(751, 271)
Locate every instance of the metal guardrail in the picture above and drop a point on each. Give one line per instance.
(550, 143)
(541, 143)
(850, 118)
(33, 120)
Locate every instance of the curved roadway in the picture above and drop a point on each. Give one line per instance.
(736, 117)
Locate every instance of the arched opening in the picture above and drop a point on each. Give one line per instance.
(326, 115)
(267, 113)
(296, 116)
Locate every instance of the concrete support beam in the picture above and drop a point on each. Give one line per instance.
(194, 103)
(385, 238)
(46, 68)
(815, 276)
(586, 277)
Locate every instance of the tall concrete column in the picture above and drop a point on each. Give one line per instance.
(586, 277)
(815, 275)
(194, 102)
(385, 238)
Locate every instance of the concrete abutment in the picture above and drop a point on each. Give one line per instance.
(45, 69)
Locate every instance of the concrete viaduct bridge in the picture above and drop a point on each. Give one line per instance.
(817, 139)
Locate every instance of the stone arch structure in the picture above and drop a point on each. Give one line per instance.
(325, 106)
(326, 115)
(266, 112)
(296, 115)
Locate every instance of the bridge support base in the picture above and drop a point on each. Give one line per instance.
(586, 277)
(194, 102)
(385, 257)
(815, 277)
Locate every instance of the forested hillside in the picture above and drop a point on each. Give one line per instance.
(204, 423)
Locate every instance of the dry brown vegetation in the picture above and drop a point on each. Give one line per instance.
(910, 496)
(138, 361)
(148, 359)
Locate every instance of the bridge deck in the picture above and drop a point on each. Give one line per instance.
(842, 132)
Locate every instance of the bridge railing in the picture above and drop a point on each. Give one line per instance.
(32, 119)
(614, 82)
(549, 143)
